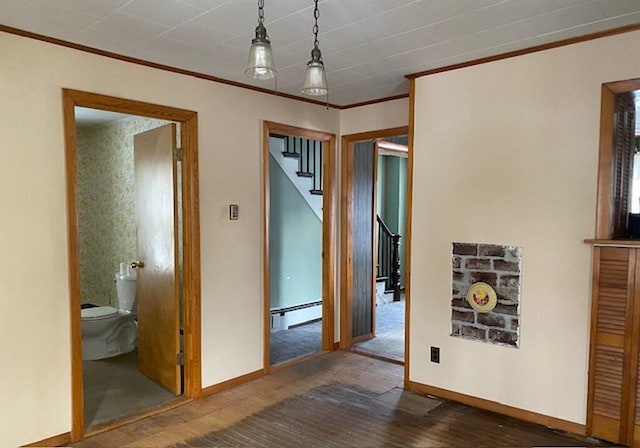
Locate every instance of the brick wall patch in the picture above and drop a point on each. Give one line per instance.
(500, 267)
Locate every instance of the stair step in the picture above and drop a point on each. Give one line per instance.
(293, 155)
(304, 174)
(318, 192)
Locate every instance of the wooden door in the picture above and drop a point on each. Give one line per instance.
(157, 285)
(363, 260)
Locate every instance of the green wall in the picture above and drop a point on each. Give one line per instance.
(392, 199)
(295, 244)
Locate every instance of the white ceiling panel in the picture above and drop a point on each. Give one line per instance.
(168, 12)
(368, 45)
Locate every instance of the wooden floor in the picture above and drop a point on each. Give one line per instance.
(337, 399)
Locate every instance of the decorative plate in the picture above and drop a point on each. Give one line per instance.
(482, 297)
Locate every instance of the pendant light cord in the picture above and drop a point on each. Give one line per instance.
(261, 11)
(316, 14)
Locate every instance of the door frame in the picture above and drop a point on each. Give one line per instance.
(328, 232)
(191, 237)
(346, 232)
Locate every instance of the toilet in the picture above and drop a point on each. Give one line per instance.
(107, 331)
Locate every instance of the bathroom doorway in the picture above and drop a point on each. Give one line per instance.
(126, 159)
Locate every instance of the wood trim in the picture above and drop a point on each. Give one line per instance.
(633, 244)
(328, 232)
(408, 231)
(374, 239)
(534, 49)
(346, 237)
(191, 243)
(233, 382)
(499, 408)
(361, 338)
(604, 209)
(328, 244)
(266, 279)
(191, 258)
(632, 346)
(346, 244)
(391, 149)
(77, 391)
(59, 440)
(358, 351)
(370, 102)
(595, 290)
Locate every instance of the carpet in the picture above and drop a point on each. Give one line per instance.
(339, 415)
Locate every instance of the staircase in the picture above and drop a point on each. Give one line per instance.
(388, 268)
(301, 160)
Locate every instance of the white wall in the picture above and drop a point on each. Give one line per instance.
(390, 114)
(35, 377)
(507, 153)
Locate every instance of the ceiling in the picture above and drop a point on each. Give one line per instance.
(368, 46)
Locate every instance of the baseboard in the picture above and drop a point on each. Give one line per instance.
(60, 439)
(529, 416)
(232, 382)
(362, 338)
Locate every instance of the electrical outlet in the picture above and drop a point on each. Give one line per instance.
(435, 355)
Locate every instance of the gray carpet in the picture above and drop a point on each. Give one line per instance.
(339, 415)
(297, 341)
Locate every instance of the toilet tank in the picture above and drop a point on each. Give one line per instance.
(126, 292)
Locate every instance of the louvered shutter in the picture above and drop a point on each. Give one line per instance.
(613, 296)
(623, 152)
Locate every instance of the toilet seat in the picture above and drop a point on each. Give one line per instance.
(98, 312)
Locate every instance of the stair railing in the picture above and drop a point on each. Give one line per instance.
(309, 155)
(388, 267)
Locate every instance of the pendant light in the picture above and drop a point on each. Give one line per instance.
(260, 65)
(315, 78)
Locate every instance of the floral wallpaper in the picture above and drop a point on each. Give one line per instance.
(106, 204)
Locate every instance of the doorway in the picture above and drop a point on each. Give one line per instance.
(373, 318)
(299, 245)
(168, 347)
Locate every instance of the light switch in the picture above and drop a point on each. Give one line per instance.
(233, 212)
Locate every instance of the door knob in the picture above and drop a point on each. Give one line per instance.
(137, 264)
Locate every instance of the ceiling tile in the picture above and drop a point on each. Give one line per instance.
(339, 13)
(197, 34)
(229, 18)
(105, 40)
(47, 18)
(613, 8)
(205, 4)
(164, 51)
(130, 26)
(167, 12)
(98, 8)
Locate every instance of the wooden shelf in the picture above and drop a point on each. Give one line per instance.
(614, 243)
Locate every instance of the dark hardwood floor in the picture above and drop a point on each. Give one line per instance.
(338, 399)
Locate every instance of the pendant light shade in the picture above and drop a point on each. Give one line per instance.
(315, 78)
(260, 64)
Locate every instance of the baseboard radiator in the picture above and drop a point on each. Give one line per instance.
(286, 317)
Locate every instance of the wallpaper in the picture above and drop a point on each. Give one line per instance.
(106, 204)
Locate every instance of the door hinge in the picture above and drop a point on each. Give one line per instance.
(177, 154)
(180, 359)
